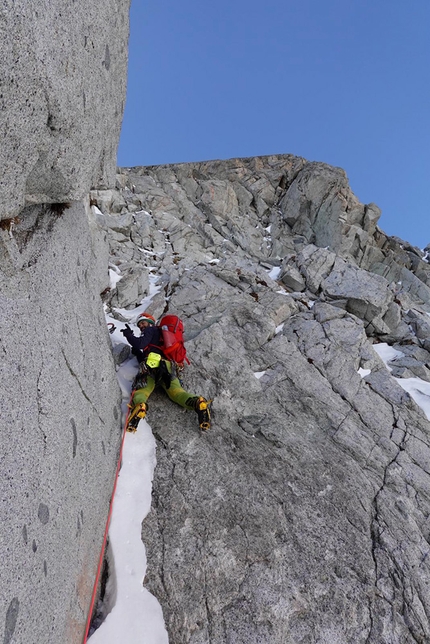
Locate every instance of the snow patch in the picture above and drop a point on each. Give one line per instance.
(419, 390)
(129, 612)
(114, 278)
(386, 353)
(259, 374)
(275, 272)
(136, 615)
(364, 372)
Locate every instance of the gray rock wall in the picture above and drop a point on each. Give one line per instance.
(60, 425)
(63, 77)
(302, 515)
(62, 98)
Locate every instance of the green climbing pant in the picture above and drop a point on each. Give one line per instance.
(175, 391)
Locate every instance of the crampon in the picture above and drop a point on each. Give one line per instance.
(137, 413)
(203, 412)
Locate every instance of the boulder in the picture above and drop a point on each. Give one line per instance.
(315, 265)
(368, 296)
(290, 275)
(131, 288)
(409, 367)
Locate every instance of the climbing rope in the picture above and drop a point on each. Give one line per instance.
(105, 536)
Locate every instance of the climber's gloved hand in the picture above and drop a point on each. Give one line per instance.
(127, 330)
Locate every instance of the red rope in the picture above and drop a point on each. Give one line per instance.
(105, 536)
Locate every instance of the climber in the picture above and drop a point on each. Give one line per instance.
(155, 370)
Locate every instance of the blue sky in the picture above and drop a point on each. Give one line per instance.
(342, 82)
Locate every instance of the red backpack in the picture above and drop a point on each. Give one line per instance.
(172, 330)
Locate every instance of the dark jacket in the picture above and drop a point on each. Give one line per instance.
(150, 340)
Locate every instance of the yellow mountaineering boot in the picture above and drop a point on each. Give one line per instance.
(202, 409)
(138, 412)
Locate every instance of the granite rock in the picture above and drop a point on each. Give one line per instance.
(60, 424)
(301, 515)
(63, 78)
(64, 69)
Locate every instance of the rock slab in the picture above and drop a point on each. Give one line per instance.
(301, 517)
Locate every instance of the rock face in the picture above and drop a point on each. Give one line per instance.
(63, 76)
(63, 88)
(60, 425)
(302, 515)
